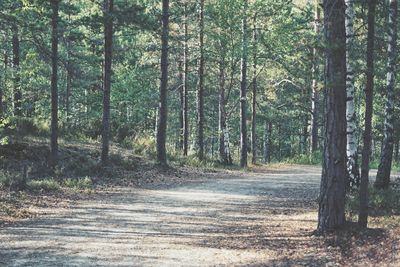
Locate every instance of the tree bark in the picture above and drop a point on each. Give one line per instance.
(332, 190)
(385, 165)
(108, 38)
(396, 149)
(69, 83)
(185, 85)
(54, 81)
(353, 174)
(4, 80)
(243, 87)
(224, 153)
(363, 213)
(254, 100)
(200, 91)
(16, 76)
(162, 119)
(315, 91)
(266, 142)
(181, 102)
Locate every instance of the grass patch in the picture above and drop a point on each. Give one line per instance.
(52, 184)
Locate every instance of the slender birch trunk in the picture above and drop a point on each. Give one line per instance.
(315, 93)
(351, 148)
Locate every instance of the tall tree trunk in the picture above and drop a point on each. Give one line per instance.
(4, 80)
(162, 119)
(17, 83)
(353, 173)
(181, 102)
(243, 87)
(108, 38)
(315, 91)
(254, 100)
(363, 213)
(54, 81)
(266, 142)
(223, 150)
(385, 166)
(332, 190)
(69, 83)
(200, 91)
(185, 84)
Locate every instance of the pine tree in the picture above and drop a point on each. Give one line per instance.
(332, 189)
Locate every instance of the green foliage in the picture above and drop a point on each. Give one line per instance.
(11, 181)
(144, 146)
(52, 184)
(45, 185)
(381, 202)
(306, 159)
(79, 183)
(374, 164)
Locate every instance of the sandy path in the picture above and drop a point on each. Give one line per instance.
(260, 219)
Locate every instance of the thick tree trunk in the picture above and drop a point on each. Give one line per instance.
(315, 91)
(351, 150)
(108, 38)
(332, 190)
(17, 83)
(185, 85)
(54, 81)
(385, 166)
(200, 90)
(363, 213)
(162, 119)
(254, 100)
(243, 87)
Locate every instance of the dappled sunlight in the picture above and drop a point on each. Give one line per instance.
(243, 220)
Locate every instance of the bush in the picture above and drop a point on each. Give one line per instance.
(79, 183)
(12, 182)
(381, 202)
(45, 184)
(306, 159)
(145, 146)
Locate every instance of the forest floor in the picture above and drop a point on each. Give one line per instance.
(265, 217)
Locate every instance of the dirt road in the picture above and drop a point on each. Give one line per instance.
(256, 219)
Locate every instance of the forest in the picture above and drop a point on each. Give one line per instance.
(209, 132)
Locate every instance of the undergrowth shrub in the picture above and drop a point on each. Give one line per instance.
(145, 146)
(382, 202)
(51, 184)
(306, 159)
